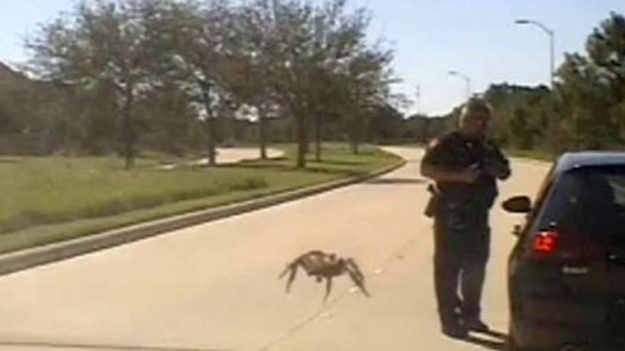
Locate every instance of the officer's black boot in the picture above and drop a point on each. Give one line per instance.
(451, 325)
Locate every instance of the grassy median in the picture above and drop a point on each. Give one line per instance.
(52, 199)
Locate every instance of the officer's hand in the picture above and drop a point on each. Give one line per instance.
(498, 170)
(469, 175)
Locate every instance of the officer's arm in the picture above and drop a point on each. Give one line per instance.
(502, 169)
(499, 169)
(442, 174)
(432, 166)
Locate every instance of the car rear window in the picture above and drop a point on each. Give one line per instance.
(589, 202)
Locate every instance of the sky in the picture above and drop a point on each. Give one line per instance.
(477, 38)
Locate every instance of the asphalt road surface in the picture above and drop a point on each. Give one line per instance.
(215, 286)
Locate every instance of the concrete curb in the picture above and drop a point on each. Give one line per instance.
(25, 259)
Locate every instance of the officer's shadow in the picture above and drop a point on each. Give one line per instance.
(495, 341)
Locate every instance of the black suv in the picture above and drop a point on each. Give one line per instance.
(566, 274)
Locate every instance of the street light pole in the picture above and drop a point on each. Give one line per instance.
(418, 94)
(551, 35)
(466, 79)
(553, 120)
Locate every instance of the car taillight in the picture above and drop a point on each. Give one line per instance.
(545, 243)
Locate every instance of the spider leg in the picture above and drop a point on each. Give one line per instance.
(353, 267)
(356, 275)
(293, 272)
(286, 270)
(328, 288)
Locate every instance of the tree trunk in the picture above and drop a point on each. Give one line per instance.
(355, 147)
(307, 130)
(262, 136)
(318, 121)
(212, 152)
(355, 136)
(128, 132)
(302, 140)
(209, 125)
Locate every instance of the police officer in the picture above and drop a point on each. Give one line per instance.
(465, 166)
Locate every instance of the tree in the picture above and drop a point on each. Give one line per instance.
(606, 49)
(171, 120)
(387, 123)
(592, 88)
(522, 133)
(337, 39)
(196, 45)
(586, 102)
(34, 116)
(103, 41)
(251, 71)
(520, 114)
(368, 84)
(292, 28)
(159, 62)
(323, 66)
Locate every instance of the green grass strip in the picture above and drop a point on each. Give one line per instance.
(53, 199)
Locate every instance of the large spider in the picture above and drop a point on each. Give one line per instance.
(322, 265)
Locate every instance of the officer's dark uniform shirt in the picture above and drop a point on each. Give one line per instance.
(461, 224)
(455, 152)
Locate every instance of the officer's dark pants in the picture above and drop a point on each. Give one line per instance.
(462, 240)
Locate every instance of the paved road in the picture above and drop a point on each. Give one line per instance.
(234, 155)
(215, 287)
(230, 156)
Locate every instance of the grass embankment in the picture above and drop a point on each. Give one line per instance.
(51, 199)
